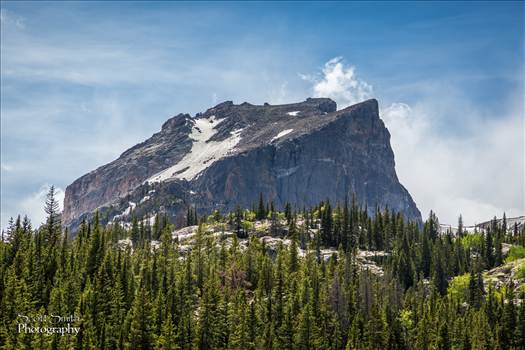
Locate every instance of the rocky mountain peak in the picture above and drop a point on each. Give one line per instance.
(299, 153)
(176, 121)
(310, 105)
(323, 104)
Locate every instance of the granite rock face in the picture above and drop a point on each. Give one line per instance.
(300, 153)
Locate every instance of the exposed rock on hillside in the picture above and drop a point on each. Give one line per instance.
(299, 153)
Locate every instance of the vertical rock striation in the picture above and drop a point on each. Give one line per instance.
(299, 153)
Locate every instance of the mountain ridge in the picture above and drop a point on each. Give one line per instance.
(230, 153)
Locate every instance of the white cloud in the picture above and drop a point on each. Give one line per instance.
(339, 82)
(478, 174)
(33, 205)
(85, 96)
(472, 164)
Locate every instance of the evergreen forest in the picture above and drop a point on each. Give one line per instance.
(139, 286)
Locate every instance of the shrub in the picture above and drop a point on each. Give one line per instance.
(458, 287)
(520, 273)
(472, 241)
(516, 252)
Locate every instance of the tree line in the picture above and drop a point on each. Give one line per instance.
(219, 295)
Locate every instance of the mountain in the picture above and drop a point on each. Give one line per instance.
(300, 153)
(514, 224)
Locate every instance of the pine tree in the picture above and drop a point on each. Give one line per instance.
(443, 340)
(189, 217)
(439, 274)
(403, 265)
(95, 249)
(347, 234)
(207, 336)
(53, 222)
(431, 227)
(520, 331)
(141, 336)
(238, 222)
(460, 231)
(305, 329)
(374, 329)
(293, 262)
(508, 322)
(355, 334)
(498, 255)
(426, 257)
(475, 292)
(489, 253)
(135, 231)
(168, 336)
(261, 209)
(288, 213)
(326, 225)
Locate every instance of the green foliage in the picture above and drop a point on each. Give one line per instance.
(472, 241)
(458, 288)
(250, 215)
(247, 225)
(516, 252)
(237, 292)
(520, 271)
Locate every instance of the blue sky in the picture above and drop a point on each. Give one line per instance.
(82, 82)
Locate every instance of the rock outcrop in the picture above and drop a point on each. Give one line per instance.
(299, 153)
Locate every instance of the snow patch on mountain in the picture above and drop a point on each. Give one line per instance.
(203, 152)
(150, 220)
(131, 206)
(281, 134)
(512, 223)
(294, 113)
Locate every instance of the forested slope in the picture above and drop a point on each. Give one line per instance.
(224, 286)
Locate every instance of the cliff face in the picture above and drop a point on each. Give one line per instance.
(117, 179)
(299, 153)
